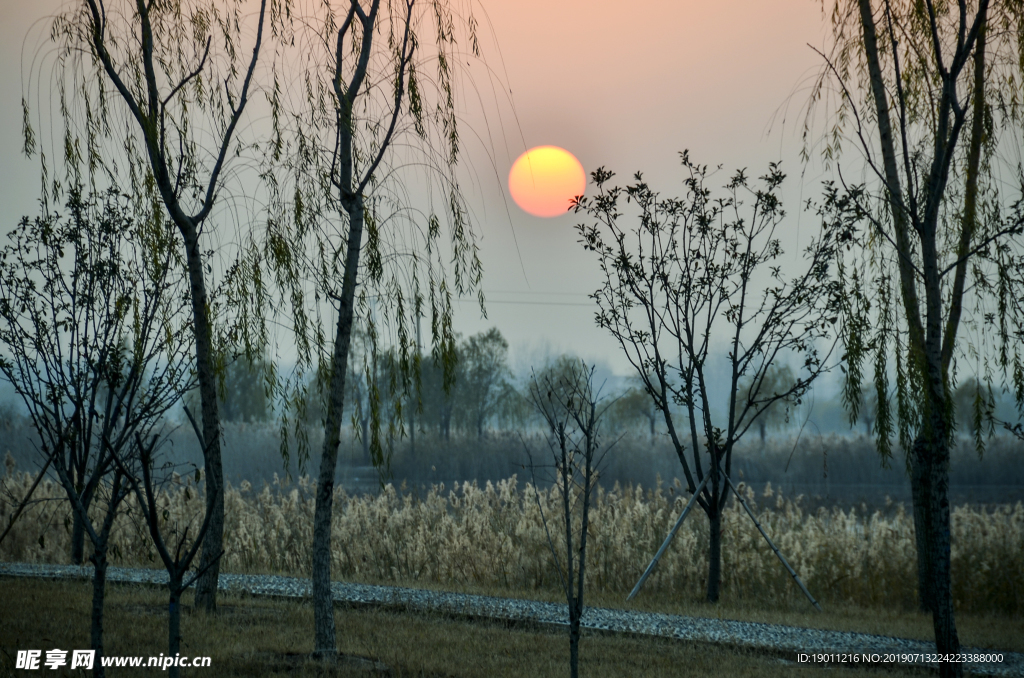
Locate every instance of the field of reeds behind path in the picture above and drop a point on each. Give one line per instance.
(492, 537)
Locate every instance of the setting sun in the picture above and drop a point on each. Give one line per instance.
(545, 179)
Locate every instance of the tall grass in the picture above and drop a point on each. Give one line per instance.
(493, 536)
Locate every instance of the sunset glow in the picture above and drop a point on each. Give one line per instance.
(545, 179)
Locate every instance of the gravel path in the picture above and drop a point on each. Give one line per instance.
(781, 640)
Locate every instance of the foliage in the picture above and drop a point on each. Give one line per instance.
(93, 328)
(937, 206)
(634, 406)
(149, 96)
(367, 121)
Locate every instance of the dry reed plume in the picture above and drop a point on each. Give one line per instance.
(492, 536)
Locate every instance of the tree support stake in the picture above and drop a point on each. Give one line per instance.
(743, 501)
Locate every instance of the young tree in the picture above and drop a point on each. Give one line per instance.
(359, 98)
(683, 270)
(568, 404)
(926, 89)
(151, 95)
(177, 558)
(94, 343)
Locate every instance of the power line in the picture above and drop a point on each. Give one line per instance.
(529, 303)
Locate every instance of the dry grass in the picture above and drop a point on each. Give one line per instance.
(490, 540)
(250, 637)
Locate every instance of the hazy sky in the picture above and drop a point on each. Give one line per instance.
(622, 85)
(628, 86)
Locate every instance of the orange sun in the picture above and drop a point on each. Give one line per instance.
(545, 179)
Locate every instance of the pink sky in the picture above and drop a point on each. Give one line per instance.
(624, 85)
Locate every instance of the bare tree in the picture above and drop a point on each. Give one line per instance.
(684, 269)
(141, 106)
(95, 343)
(177, 557)
(915, 80)
(568, 404)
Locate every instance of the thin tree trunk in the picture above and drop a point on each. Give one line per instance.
(325, 641)
(715, 553)
(99, 583)
(174, 626)
(206, 586)
(574, 646)
(364, 423)
(78, 537)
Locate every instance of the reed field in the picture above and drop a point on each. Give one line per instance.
(492, 537)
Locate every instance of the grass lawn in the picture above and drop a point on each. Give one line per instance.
(261, 637)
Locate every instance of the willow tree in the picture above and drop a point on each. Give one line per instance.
(373, 151)
(151, 95)
(926, 89)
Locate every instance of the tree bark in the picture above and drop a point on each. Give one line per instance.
(206, 586)
(325, 641)
(574, 647)
(919, 486)
(77, 537)
(937, 544)
(714, 553)
(99, 582)
(174, 625)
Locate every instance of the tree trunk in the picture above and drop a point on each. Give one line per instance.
(78, 537)
(446, 422)
(206, 586)
(99, 583)
(574, 646)
(715, 553)
(919, 482)
(412, 431)
(174, 626)
(325, 640)
(937, 516)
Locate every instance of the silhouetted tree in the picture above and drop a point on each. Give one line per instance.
(565, 398)
(673, 278)
(483, 371)
(95, 344)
